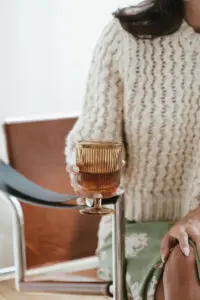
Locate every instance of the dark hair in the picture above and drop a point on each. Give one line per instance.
(152, 18)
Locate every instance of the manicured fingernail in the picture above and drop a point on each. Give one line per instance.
(163, 260)
(186, 251)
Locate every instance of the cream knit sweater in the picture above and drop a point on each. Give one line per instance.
(146, 94)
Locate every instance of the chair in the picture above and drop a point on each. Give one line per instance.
(16, 187)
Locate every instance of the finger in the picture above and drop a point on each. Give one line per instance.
(198, 246)
(184, 243)
(194, 234)
(72, 169)
(165, 247)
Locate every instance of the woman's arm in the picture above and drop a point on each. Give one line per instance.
(102, 114)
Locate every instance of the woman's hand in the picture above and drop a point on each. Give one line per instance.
(73, 171)
(188, 227)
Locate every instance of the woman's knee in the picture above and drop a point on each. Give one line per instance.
(179, 264)
(180, 276)
(160, 291)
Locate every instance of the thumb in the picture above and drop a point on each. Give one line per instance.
(184, 244)
(165, 247)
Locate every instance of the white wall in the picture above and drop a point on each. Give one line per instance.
(45, 52)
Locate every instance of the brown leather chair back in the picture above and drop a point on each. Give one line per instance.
(36, 149)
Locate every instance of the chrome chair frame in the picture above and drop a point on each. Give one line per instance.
(113, 289)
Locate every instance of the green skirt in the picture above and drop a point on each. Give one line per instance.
(144, 267)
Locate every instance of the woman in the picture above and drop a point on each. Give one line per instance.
(144, 91)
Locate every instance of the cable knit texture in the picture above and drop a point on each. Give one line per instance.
(147, 93)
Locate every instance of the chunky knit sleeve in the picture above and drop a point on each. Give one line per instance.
(101, 118)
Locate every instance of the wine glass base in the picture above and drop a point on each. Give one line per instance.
(97, 211)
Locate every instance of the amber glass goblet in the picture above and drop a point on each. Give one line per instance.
(99, 167)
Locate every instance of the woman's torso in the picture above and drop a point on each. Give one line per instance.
(162, 124)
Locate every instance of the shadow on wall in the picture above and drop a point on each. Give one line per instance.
(6, 253)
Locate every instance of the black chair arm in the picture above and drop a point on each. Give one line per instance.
(15, 184)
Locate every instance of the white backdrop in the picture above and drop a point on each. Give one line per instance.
(45, 52)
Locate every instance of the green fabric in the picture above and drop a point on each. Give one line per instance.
(144, 267)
